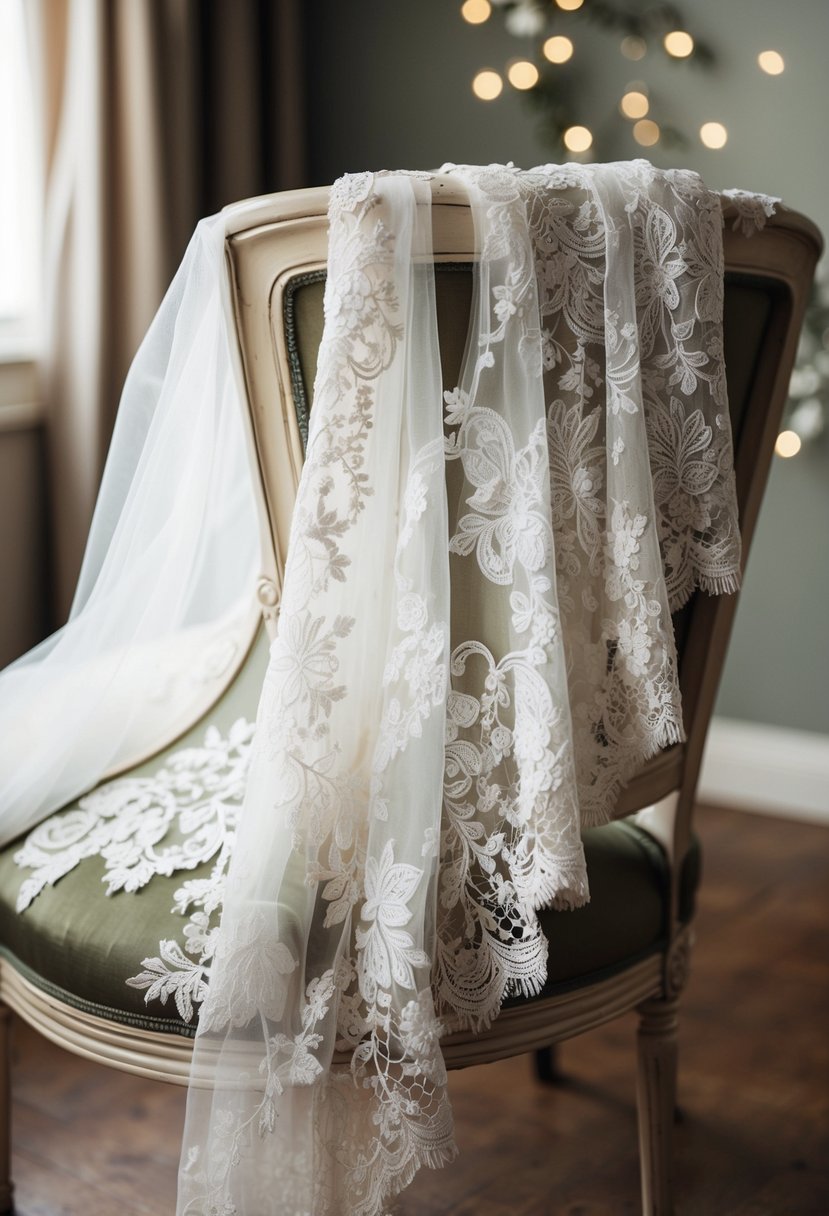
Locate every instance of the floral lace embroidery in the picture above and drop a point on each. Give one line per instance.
(172, 821)
(751, 210)
(376, 1124)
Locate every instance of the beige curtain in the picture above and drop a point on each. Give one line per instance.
(155, 112)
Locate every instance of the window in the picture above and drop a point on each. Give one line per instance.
(20, 212)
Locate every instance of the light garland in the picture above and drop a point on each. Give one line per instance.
(543, 80)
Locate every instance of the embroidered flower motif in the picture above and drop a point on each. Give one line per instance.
(349, 306)
(350, 191)
(750, 210)
(342, 891)
(173, 974)
(635, 646)
(684, 465)
(290, 1059)
(173, 820)
(411, 617)
(387, 953)
(626, 531)
(506, 306)
(507, 524)
(249, 973)
(458, 406)
(420, 1033)
(659, 265)
(303, 659)
(415, 499)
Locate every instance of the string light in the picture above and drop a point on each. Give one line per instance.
(558, 49)
(577, 139)
(646, 132)
(678, 43)
(487, 85)
(772, 62)
(788, 444)
(526, 18)
(713, 134)
(633, 47)
(522, 74)
(476, 12)
(634, 104)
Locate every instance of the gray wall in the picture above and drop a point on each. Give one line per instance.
(390, 84)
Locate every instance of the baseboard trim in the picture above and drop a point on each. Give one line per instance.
(766, 769)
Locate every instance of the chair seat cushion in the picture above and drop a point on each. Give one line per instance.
(627, 916)
(136, 955)
(81, 945)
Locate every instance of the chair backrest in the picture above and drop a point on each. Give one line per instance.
(276, 252)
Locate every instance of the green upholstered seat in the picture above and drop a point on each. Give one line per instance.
(626, 919)
(82, 945)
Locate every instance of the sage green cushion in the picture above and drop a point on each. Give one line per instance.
(81, 945)
(627, 917)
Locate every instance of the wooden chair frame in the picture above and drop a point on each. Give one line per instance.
(271, 241)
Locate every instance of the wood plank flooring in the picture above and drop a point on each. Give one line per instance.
(754, 1081)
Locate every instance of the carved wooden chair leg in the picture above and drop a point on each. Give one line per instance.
(6, 1201)
(547, 1065)
(656, 1092)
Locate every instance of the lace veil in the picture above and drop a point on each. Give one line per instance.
(474, 648)
(439, 720)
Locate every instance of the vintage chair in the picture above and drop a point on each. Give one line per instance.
(65, 961)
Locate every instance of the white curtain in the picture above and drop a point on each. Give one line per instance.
(154, 113)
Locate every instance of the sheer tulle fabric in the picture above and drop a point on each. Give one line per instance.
(438, 721)
(165, 590)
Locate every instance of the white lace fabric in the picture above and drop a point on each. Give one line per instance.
(438, 722)
(474, 653)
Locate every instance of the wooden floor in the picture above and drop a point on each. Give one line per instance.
(754, 1081)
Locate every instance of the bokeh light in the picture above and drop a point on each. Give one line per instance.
(678, 43)
(476, 11)
(633, 47)
(522, 74)
(713, 134)
(558, 49)
(487, 85)
(788, 444)
(771, 62)
(646, 132)
(578, 139)
(634, 104)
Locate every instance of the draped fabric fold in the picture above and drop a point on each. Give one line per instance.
(438, 721)
(474, 649)
(165, 589)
